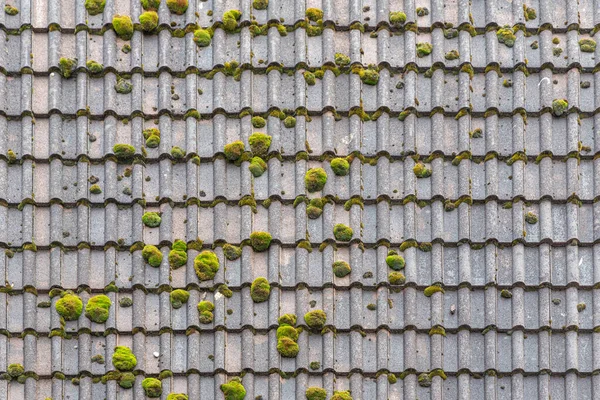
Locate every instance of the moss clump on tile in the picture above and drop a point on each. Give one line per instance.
(151, 219)
(126, 302)
(152, 136)
(11, 10)
(341, 395)
(559, 106)
(123, 26)
(314, 14)
(149, 21)
(587, 45)
(97, 308)
(557, 51)
(424, 380)
(531, 218)
(452, 55)
(369, 76)
(150, 5)
(314, 209)
(315, 365)
(233, 390)
(123, 359)
(206, 265)
(341, 268)
(123, 87)
(257, 167)
(152, 387)
(67, 66)
(177, 152)
(12, 157)
(396, 278)
(178, 297)
(95, 189)
(94, 67)
(581, 307)
(287, 319)
(421, 171)
(178, 7)
(342, 232)
(260, 241)
(315, 319)
(395, 261)
(177, 396)
(341, 59)
(178, 254)
(230, 20)
(310, 78)
(127, 380)
(232, 252)
(315, 179)
(258, 122)
(504, 293)
(430, 290)
(98, 358)
(529, 13)
(202, 37)
(397, 17)
(289, 122)
(287, 347)
(507, 36)
(476, 133)
(340, 166)
(260, 4)
(233, 151)
(15, 370)
(124, 151)
(260, 290)
(69, 306)
(259, 143)
(152, 255)
(424, 49)
(205, 311)
(287, 331)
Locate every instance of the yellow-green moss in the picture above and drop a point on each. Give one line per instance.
(287, 319)
(178, 7)
(67, 66)
(340, 166)
(230, 20)
(341, 268)
(341, 60)
(287, 347)
(177, 152)
(287, 331)
(259, 143)
(206, 265)
(437, 330)
(178, 297)
(95, 189)
(505, 293)
(123, 151)
(430, 290)
(123, 86)
(151, 219)
(69, 306)
(123, 26)
(15, 370)
(225, 291)
(205, 311)
(152, 255)
(342, 232)
(559, 106)
(152, 387)
(369, 76)
(397, 17)
(310, 78)
(233, 390)
(94, 67)
(202, 37)
(421, 171)
(11, 10)
(260, 241)
(315, 179)
(126, 380)
(529, 13)
(507, 36)
(233, 151)
(341, 395)
(424, 49)
(314, 14)
(178, 254)
(289, 122)
(257, 167)
(315, 319)
(395, 261)
(177, 396)
(97, 308)
(232, 252)
(260, 290)
(396, 278)
(260, 4)
(12, 157)
(150, 5)
(98, 358)
(424, 380)
(152, 136)
(258, 122)
(149, 21)
(123, 359)
(587, 45)
(452, 55)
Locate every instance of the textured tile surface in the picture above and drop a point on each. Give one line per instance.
(520, 306)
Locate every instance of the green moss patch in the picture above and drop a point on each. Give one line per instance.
(559, 106)
(15, 370)
(126, 380)
(125, 302)
(315, 179)
(531, 218)
(97, 308)
(430, 290)
(230, 20)
(289, 122)
(233, 151)
(178, 7)
(149, 21)
(202, 37)
(152, 387)
(369, 76)
(314, 209)
(206, 265)
(151, 219)
(259, 143)
(124, 152)
(287, 331)
(177, 152)
(341, 269)
(342, 232)
(205, 311)
(310, 78)
(287, 319)
(233, 390)
(67, 66)
(315, 365)
(178, 297)
(152, 136)
(258, 122)
(98, 358)
(11, 10)
(507, 36)
(506, 294)
(123, 26)
(397, 18)
(232, 252)
(340, 166)
(396, 278)
(315, 319)
(341, 395)
(341, 60)
(260, 4)
(123, 86)
(287, 347)
(529, 13)
(260, 241)
(257, 167)
(177, 396)
(314, 14)
(316, 393)
(94, 67)
(587, 45)
(152, 255)
(260, 290)
(178, 254)
(123, 359)
(150, 5)
(69, 306)
(95, 189)
(395, 261)
(424, 49)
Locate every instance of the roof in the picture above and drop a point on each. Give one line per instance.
(507, 223)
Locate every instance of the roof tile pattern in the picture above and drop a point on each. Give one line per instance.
(518, 314)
